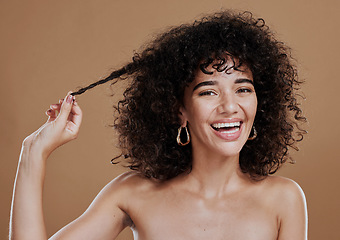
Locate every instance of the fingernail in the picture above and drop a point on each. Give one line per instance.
(69, 98)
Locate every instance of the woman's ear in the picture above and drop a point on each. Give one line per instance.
(182, 115)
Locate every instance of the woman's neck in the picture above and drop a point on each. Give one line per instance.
(214, 176)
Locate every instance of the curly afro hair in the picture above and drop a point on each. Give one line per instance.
(148, 115)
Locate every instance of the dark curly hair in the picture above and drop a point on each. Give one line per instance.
(148, 116)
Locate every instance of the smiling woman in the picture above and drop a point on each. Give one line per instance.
(219, 109)
(209, 114)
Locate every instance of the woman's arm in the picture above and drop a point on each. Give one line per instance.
(293, 212)
(27, 221)
(104, 219)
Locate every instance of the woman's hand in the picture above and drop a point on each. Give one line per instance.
(62, 126)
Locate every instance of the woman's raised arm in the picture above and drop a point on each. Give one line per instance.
(62, 126)
(104, 219)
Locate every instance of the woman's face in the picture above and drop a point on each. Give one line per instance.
(219, 110)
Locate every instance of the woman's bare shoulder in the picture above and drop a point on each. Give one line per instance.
(283, 186)
(127, 178)
(290, 205)
(131, 183)
(286, 194)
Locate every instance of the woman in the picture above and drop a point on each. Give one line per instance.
(209, 114)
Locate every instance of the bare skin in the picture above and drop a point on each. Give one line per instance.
(214, 201)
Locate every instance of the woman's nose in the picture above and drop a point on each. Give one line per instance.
(228, 104)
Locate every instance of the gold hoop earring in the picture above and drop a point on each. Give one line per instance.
(178, 139)
(254, 134)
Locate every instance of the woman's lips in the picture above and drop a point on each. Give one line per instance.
(228, 131)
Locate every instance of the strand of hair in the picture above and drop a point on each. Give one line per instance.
(113, 75)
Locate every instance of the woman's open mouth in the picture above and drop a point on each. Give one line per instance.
(227, 130)
(227, 127)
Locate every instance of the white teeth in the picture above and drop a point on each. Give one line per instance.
(222, 125)
(230, 131)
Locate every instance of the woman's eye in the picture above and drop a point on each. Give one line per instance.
(244, 90)
(207, 93)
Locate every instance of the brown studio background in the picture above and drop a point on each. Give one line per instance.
(50, 47)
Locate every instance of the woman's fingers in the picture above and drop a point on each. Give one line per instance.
(52, 112)
(55, 106)
(74, 120)
(66, 113)
(49, 112)
(69, 117)
(51, 115)
(65, 109)
(76, 114)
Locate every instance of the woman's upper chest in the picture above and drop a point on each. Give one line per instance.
(169, 214)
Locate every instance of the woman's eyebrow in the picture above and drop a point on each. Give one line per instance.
(244, 80)
(205, 83)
